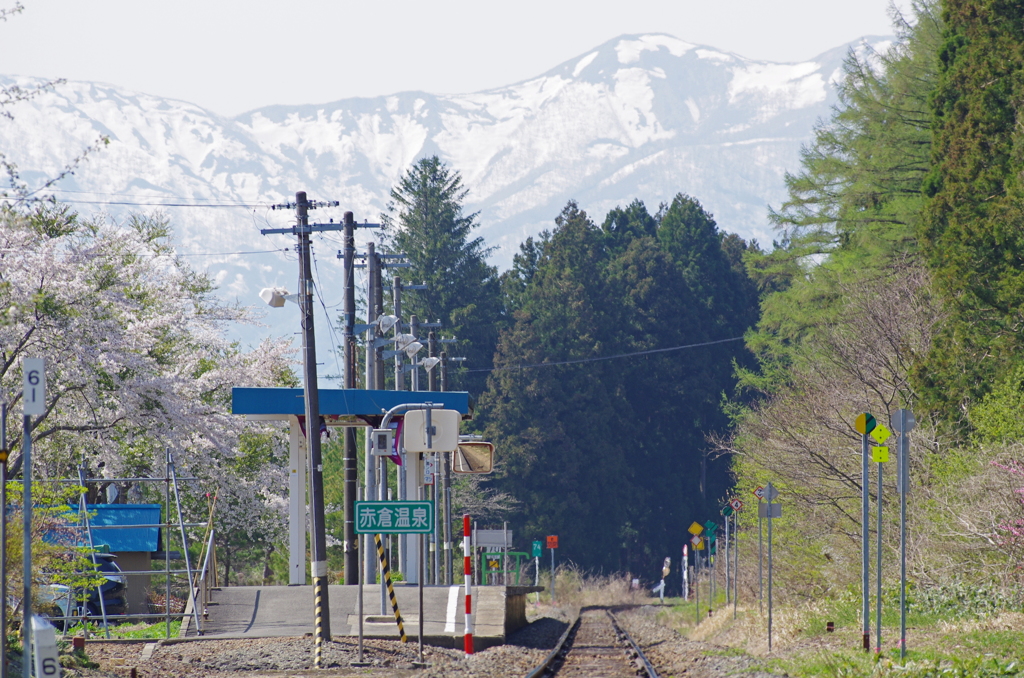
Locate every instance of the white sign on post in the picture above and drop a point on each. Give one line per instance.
(443, 438)
(34, 385)
(44, 641)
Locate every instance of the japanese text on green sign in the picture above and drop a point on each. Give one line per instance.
(394, 517)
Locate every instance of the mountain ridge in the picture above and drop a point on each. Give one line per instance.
(640, 116)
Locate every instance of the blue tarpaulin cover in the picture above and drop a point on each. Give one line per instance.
(125, 538)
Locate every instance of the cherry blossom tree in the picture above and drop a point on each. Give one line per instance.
(137, 364)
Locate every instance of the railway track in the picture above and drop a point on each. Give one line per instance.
(595, 646)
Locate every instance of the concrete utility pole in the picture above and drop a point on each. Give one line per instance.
(370, 470)
(447, 487)
(349, 460)
(316, 464)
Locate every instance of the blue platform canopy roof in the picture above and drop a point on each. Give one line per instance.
(339, 406)
(125, 538)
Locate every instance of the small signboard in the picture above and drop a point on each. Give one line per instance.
(696, 528)
(552, 541)
(881, 434)
(538, 549)
(394, 517)
(34, 386)
(865, 423)
(759, 491)
(710, 526)
(494, 539)
(880, 454)
(762, 511)
(736, 504)
(897, 421)
(727, 510)
(429, 469)
(698, 544)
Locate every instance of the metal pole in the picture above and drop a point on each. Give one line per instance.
(696, 581)
(728, 587)
(905, 476)
(878, 567)
(422, 574)
(552, 575)
(760, 558)
(351, 544)
(414, 330)
(446, 461)
(184, 543)
(736, 563)
(769, 567)
(3, 539)
(26, 545)
(167, 548)
(866, 545)
(321, 605)
(437, 522)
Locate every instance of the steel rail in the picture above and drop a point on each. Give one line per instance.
(541, 668)
(636, 648)
(564, 646)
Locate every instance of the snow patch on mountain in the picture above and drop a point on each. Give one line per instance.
(641, 116)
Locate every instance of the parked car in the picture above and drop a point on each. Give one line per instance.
(64, 602)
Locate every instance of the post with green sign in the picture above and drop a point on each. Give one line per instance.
(538, 549)
(865, 424)
(395, 517)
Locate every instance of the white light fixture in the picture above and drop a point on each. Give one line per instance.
(429, 363)
(386, 322)
(274, 296)
(412, 348)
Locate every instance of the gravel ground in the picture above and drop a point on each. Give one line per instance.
(673, 655)
(293, 657)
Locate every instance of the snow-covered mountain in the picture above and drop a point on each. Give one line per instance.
(641, 116)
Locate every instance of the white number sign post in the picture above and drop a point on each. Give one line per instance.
(33, 397)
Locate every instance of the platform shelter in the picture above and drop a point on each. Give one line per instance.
(339, 408)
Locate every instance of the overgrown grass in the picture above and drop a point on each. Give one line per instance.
(129, 631)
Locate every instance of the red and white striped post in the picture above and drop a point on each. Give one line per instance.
(468, 568)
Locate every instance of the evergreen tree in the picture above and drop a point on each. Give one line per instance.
(610, 454)
(973, 231)
(425, 221)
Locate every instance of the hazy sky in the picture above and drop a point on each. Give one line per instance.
(233, 55)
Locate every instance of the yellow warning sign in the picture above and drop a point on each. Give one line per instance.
(696, 528)
(881, 434)
(880, 454)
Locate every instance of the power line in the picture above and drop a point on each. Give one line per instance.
(159, 204)
(608, 357)
(330, 326)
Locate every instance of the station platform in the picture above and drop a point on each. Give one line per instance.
(270, 611)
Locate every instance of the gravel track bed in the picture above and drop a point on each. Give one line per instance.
(254, 657)
(671, 654)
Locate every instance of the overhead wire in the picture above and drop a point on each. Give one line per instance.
(607, 357)
(330, 326)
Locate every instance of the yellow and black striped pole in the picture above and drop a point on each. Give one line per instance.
(391, 589)
(318, 635)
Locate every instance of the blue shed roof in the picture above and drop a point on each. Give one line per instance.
(125, 538)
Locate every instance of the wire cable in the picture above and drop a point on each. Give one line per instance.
(608, 357)
(330, 326)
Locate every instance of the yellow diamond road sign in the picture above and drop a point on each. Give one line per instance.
(696, 528)
(881, 434)
(880, 454)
